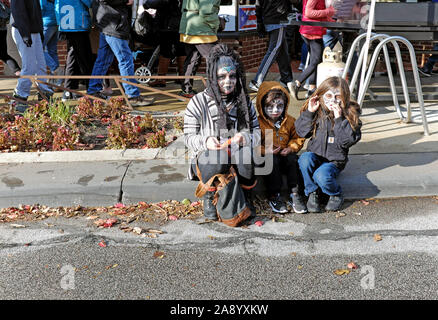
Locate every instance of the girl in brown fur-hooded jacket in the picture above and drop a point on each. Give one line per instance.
(221, 122)
(282, 143)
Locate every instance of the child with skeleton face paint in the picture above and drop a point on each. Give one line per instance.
(331, 121)
(220, 130)
(281, 143)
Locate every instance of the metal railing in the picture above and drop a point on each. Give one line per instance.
(383, 41)
(117, 79)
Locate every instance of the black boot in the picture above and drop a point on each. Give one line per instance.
(18, 107)
(209, 208)
(249, 197)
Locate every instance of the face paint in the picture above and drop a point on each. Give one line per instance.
(274, 109)
(226, 75)
(226, 80)
(332, 98)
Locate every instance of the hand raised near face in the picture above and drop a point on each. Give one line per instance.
(313, 104)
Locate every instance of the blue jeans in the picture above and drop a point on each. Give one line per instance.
(50, 47)
(33, 63)
(431, 60)
(108, 48)
(318, 172)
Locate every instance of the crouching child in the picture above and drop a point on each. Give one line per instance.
(331, 121)
(280, 141)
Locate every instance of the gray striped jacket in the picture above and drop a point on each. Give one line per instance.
(200, 124)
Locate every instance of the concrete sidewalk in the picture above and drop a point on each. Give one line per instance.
(393, 159)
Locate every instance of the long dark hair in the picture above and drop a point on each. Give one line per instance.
(350, 108)
(240, 92)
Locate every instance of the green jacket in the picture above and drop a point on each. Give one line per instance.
(200, 17)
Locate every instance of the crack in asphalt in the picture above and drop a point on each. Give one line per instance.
(120, 198)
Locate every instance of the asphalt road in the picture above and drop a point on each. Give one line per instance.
(293, 258)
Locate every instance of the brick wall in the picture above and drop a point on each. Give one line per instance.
(252, 49)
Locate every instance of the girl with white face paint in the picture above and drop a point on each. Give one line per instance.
(281, 144)
(331, 121)
(226, 76)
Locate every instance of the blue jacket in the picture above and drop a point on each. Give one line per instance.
(73, 15)
(48, 12)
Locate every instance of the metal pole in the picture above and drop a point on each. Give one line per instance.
(367, 45)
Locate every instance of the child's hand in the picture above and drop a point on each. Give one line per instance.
(285, 151)
(238, 139)
(272, 150)
(213, 144)
(337, 111)
(313, 104)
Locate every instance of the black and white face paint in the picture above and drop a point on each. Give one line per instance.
(274, 109)
(332, 98)
(226, 75)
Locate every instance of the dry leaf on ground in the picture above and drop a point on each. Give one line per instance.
(341, 272)
(377, 237)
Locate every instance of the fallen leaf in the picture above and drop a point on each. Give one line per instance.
(294, 254)
(195, 204)
(119, 205)
(340, 214)
(137, 230)
(377, 237)
(341, 272)
(173, 218)
(300, 267)
(211, 237)
(159, 254)
(102, 244)
(17, 225)
(186, 202)
(258, 223)
(154, 231)
(352, 265)
(358, 213)
(92, 217)
(365, 202)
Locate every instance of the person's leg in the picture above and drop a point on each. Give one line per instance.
(273, 181)
(82, 52)
(276, 39)
(294, 183)
(325, 177)
(191, 62)
(308, 163)
(430, 63)
(50, 45)
(123, 54)
(71, 62)
(163, 60)
(103, 61)
(27, 61)
(4, 56)
(315, 48)
(331, 38)
(283, 61)
(40, 62)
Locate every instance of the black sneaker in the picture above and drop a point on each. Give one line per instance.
(297, 203)
(313, 203)
(67, 95)
(186, 94)
(293, 89)
(48, 94)
(335, 203)
(253, 86)
(141, 101)
(423, 71)
(18, 106)
(277, 204)
(99, 95)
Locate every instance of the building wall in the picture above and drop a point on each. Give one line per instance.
(250, 47)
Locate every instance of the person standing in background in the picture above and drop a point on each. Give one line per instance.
(4, 56)
(50, 31)
(113, 18)
(198, 30)
(169, 16)
(269, 14)
(74, 22)
(27, 31)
